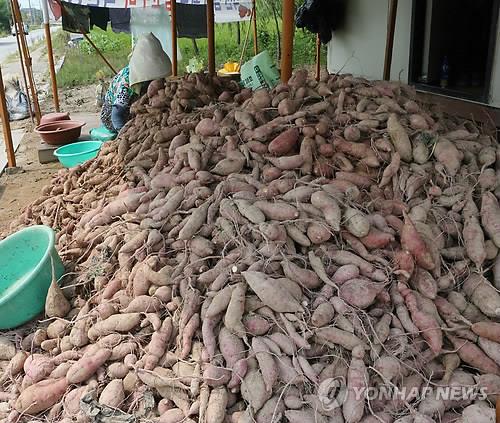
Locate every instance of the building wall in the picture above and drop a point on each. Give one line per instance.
(359, 47)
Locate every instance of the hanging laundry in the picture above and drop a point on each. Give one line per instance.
(99, 16)
(191, 21)
(120, 19)
(75, 18)
(55, 7)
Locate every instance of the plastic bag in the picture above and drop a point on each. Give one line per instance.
(17, 102)
(260, 72)
(321, 17)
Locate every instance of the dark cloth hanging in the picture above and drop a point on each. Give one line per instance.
(120, 19)
(99, 16)
(191, 21)
(75, 18)
(321, 17)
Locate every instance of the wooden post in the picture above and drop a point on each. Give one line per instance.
(287, 40)
(50, 54)
(318, 58)
(497, 407)
(26, 88)
(211, 36)
(254, 24)
(7, 135)
(391, 28)
(100, 54)
(27, 58)
(173, 14)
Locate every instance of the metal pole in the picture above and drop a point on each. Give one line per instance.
(318, 58)
(50, 54)
(254, 24)
(211, 36)
(7, 135)
(99, 53)
(391, 28)
(287, 39)
(173, 13)
(27, 58)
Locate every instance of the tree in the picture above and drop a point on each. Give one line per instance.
(4, 16)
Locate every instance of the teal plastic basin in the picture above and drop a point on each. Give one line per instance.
(26, 273)
(72, 155)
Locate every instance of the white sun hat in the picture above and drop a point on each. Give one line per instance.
(148, 61)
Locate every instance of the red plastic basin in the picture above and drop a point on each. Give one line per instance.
(60, 132)
(54, 117)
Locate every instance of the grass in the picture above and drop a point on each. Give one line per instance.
(82, 63)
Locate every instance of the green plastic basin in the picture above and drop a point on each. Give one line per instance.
(26, 273)
(102, 134)
(72, 155)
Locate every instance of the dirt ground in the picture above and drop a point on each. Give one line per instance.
(21, 187)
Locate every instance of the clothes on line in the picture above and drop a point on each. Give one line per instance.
(99, 16)
(120, 20)
(81, 19)
(191, 21)
(75, 18)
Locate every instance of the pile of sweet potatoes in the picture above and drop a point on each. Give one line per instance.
(241, 257)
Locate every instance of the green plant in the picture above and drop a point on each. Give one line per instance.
(106, 41)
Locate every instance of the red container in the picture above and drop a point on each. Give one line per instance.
(54, 117)
(60, 132)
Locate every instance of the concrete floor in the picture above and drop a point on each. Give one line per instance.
(17, 136)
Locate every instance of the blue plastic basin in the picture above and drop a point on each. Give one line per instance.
(26, 274)
(72, 155)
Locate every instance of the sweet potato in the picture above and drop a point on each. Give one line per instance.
(113, 394)
(356, 222)
(41, 396)
(412, 242)
(490, 217)
(304, 277)
(353, 406)
(330, 208)
(266, 362)
(447, 154)
(399, 138)
(334, 336)
(272, 294)
(482, 294)
(114, 323)
(84, 368)
(207, 128)
(472, 355)
(488, 330)
(235, 310)
(323, 315)
(425, 322)
(359, 292)
(278, 210)
(284, 143)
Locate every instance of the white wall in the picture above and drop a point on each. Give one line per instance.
(359, 47)
(495, 74)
